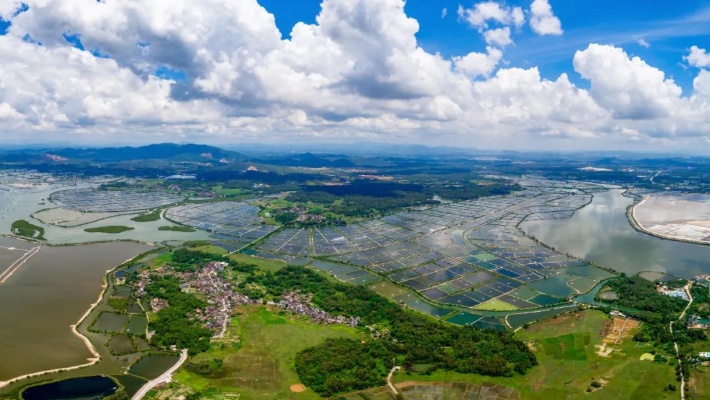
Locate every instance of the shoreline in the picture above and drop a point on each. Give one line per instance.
(96, 357)
(631, 215)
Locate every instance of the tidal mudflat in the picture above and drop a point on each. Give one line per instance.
(675, 216)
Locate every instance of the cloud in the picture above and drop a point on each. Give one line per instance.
(542, 20)
(628, 87)
(357, 73)
(444, 11)
(482, 14)
(643, 43)
(698, 57)
(478, 64)
(498, 37)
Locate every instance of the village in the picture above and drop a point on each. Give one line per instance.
(209, 282)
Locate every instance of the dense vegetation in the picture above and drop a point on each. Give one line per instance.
(343, 365)
(154, 216)
(174, 325)
(189, 260)
(701, 301)
(412, 339)
(26, 229)
(363, 198)
(642, 301)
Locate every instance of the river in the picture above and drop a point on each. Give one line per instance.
(600, 232)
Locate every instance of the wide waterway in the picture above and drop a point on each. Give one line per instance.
(46, 295)
(601, 232)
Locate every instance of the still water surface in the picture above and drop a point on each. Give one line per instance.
(600, 232)
(88, 388)
(40, 301)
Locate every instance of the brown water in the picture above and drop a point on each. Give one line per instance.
(45, 296)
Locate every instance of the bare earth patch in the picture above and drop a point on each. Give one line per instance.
(297, 388)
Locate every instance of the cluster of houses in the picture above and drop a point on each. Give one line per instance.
(221, 298)
(208, 283)
(302, 215)
(298, 303)
(679, 293)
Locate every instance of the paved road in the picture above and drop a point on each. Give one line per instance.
(675, 345)
(162, 378)
(389, 380)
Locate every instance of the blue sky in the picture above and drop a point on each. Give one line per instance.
(667, 27)
(499, 74)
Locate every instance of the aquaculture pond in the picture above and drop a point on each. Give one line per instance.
(152, 366)
(86, 388)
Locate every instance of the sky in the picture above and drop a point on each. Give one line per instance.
(518, 75)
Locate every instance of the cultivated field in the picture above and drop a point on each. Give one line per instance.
(565, 349)
(264, 365)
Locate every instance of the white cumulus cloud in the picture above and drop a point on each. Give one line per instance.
(698, 57)
(542, 20)
(357, 73)
(482, 14)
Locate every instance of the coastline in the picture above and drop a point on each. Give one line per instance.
(96, 357)
(631, 216)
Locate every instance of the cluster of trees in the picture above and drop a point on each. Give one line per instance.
(343, 365)
(363, 198)
(657, 310)
(338, 366)
(189, 260)
(640, 294)
(359, 205)
(174, 324)
(701, 301)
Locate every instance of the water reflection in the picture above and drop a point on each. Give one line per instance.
(601, 233)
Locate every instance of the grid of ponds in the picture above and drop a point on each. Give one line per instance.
(469, 254)
(233, 224)
(92, 200)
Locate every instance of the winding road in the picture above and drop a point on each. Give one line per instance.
(675, 345)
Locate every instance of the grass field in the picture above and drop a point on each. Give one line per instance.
(154, 216)
(565, 349)
(262, 263)
(264, 366)
(496, 305)
(388, 289)
(161, 260)
(110, 229)
(211, 249)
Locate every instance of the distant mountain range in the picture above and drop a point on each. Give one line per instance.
(163, 151)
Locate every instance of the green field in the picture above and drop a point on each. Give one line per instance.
(211, 249)
(263, 263)
(565, 349)
(110, 229)
(161, 260)
(176, 228)
(496, 305)
(154, 216)
(26, 229)
(263, 368)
